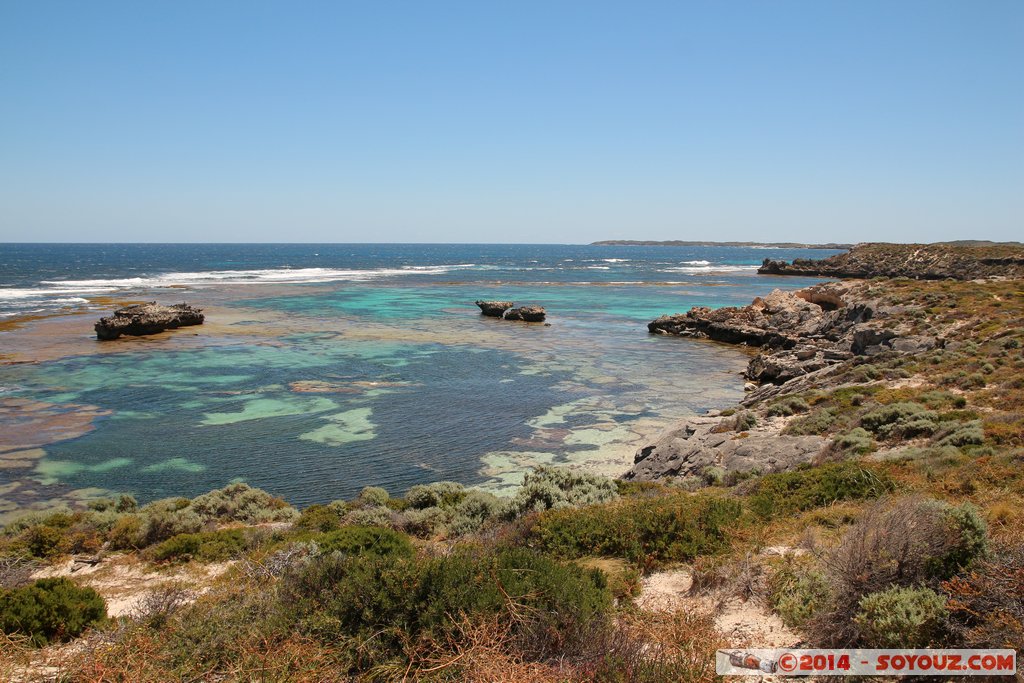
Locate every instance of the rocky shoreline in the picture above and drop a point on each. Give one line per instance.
(811, 342)
(915, 261)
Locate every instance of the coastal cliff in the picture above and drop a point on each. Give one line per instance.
(916, 261)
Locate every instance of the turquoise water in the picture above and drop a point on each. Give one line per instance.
(316, 388)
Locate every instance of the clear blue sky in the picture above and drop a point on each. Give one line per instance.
(516, 121)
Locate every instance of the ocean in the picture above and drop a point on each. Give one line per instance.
(324, 368)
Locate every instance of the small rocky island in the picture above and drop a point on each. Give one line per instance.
(506, 310)
(149, 318)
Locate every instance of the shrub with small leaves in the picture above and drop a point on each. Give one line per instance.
(356, 540)
(374, 495)
(901, 617)
(50, 610)
(900, 420)
(857, 440)
(242, 503)
(438, 494)
(788, 406)
(548, 488)
(804, 489)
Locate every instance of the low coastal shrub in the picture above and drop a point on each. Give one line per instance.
(788, 406)
(386, 604)
(50, 610)
(646, 532)
(439, 494)
(961, 434)
(813, 487)
(857, 441)
(553, 488)
(900, 420)
(357, 540)
(901, 618)
(818, 422)
(373, 495)
(320, 518)
(210, 546)
(798, 591)
(242, 503)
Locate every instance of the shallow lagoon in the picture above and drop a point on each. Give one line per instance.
(314, 391)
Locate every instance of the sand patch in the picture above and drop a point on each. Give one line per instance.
(124, 581)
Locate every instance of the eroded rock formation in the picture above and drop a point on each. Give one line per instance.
(506, 310)
(150, 318)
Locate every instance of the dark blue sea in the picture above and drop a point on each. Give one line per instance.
(323, 368)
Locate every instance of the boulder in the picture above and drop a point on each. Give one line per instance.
(494, 309)
(530, 314)
(700, 444)
(150, 318)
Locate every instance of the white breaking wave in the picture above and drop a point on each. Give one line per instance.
(696, 263)
(57, 288)
(615, 260)
(699, 270)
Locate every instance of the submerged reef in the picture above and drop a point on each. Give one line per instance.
(143, 319)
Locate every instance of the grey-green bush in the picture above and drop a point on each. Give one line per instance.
(552, 488)
(901, 617)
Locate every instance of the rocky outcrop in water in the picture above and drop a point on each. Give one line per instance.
(916, 261)
(506, 310)
(494, 309)
(150, 318)
(801, 332)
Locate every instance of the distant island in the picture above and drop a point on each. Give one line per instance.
(684, 243)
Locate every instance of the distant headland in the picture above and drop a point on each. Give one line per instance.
(685, 243)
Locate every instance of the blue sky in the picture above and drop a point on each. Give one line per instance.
(511, 121)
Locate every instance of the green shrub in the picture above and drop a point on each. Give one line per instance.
(857, 440)
(438, 494)
(387, 603)
(798, 592)
(788, 406)
(472, 512)
(644, 531)
(968, 540)
(50, 610)
(370, 516)
(900, 420)
(969, 434)
(901, 617)
(425, 522)
(357, 540)
(744, 421)
(319, 518)
(818, 422)
(552, 488)
(242, 503)
(211, 546)
(804, 489)
(374, 495)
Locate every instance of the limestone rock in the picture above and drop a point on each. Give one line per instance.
(494, 309)
(144, 319)
(698, 444)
